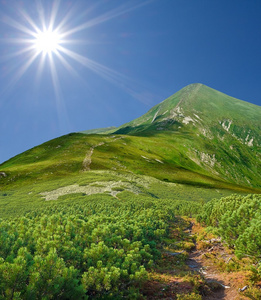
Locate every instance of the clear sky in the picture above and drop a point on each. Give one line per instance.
(109, 61)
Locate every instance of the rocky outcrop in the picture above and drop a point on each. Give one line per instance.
(2, 174)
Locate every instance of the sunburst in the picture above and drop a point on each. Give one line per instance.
(50, 40)
(47, 41)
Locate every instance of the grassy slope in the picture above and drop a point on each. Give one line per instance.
(171, 154)
(214, 143)
(100, 130)
(220, 133)
(58, 163)
(159, 156)
(18, 200)
(211, 105)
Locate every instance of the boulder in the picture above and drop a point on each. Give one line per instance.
(3, 174)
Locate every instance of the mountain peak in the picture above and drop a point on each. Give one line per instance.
(168, 113)
(216, 130)
(204, 110)
(194, 85)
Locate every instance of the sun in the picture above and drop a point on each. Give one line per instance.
(47, 41)
(48, 38)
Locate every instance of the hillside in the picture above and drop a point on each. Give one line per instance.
(219, 133)
(198, 136)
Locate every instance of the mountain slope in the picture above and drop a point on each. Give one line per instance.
(222, 134)
(100, 130)
(198, 136)
(198, 105)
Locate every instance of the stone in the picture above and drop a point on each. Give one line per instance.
(3, 174)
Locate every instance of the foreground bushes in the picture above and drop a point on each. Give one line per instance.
(238, 221)
(83, 250)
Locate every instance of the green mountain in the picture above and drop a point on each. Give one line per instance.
(197, 144)
(219, 133)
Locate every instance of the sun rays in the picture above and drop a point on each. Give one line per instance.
(49, 38)
(41, 41)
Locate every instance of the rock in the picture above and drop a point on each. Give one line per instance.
(230, 258)
(217, 240)
(174, 253)
(243, 288)
(215, 285)
(202, 271)
(3, 174)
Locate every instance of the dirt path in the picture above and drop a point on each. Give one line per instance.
(88, 158)
(195, 265)
(222, 285)
(86, 165)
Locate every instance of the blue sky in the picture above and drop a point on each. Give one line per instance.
(118, 59)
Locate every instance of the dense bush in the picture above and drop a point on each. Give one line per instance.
(238, 220)
(92, 249)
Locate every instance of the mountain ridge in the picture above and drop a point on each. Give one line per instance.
(173, 104)
(197, 130)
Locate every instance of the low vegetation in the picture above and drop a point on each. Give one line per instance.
(127, 248)
(97, 184)
(237, 220)
(80, 250)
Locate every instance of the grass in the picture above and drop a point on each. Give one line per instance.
(157, 165)
(173, 156)
(20, 199)
(212, 112)
(161, 157)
